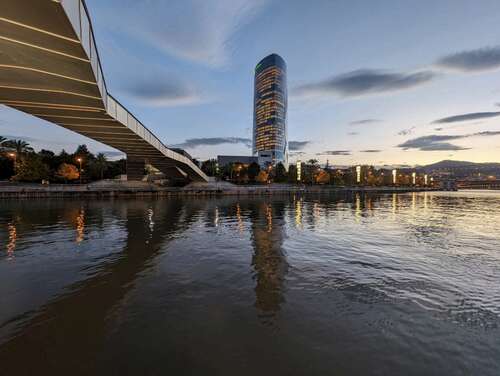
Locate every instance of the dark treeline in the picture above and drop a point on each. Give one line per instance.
(19, 162)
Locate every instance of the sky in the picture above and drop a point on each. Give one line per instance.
(394, 82)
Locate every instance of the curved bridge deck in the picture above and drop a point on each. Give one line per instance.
(50, 68)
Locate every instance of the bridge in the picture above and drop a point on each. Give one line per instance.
(478, 184)
(50, 68)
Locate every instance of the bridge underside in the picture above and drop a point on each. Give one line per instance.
(49, 68)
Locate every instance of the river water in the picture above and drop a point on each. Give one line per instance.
(405, 284)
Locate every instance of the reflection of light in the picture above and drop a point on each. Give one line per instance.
(269, 217)
(150, 219)
(394, 203)
(80, 225)
(414, 201)
(298, 213)
(216, 217)
(394, 176)
(238, 216)
(11, 245)
(426, 200)
(299, 170)
(358, 174)
(358, 206)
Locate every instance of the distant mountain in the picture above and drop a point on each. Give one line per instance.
(462, 169)
(452, 165)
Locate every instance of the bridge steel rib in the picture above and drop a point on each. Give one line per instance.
(50, 68)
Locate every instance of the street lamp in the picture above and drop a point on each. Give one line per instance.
(14, 157)
(79, 160)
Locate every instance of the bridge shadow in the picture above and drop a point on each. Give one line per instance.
(66, 335)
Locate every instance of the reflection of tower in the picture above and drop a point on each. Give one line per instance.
(268, 261)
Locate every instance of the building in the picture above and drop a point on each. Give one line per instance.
(270, 107)
(224, 160)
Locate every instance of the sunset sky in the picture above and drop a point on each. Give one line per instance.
(386, 82)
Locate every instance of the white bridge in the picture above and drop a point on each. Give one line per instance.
(50, 68)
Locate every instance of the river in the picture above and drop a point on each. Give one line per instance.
(405, 284)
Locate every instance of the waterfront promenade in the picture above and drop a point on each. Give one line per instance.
(134, 188)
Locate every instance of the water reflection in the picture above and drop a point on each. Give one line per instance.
(11, 245)
(81, 314)
(269, 260)
(175, 283)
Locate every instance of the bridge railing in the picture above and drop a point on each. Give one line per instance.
(78, 15)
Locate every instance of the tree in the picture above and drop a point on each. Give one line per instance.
(2, 140)
(262, 177)
(19, 146)
(253, 171)
(323, 177)
(6, 167)
(280, 174)
(292, 174)
(31, 169)
(83, 152)
(100, 163)
(67, 172)
(209, 167)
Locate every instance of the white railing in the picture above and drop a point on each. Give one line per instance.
(78, 15)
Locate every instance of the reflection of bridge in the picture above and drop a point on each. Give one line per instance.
(478, 184)
(50, 68)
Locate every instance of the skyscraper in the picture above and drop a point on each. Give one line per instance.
(270, 142)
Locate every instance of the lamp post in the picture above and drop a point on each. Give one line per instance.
(14, 157)
(79, 160)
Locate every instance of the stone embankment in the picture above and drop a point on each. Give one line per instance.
(141, 189)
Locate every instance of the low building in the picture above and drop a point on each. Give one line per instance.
(224, 160)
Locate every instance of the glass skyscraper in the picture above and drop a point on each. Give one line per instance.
(270, 106)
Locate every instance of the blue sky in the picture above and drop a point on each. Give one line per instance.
(386, 82)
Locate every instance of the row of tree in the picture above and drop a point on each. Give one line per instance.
(310, 173)
(19, 162)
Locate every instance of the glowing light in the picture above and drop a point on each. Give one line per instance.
(358, 174)
(414, 178)
(426, 179)
(299, 170)
(394, 176)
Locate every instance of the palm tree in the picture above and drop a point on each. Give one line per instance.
(2, 140)
(101, 163)
(19, 146)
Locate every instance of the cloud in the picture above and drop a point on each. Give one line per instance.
(162, 91)
(479, 60)
(192, 143)
(365, 82)
(352, 133)
(22, 138)
(441, 142)
(371, 151)
(406, 132)
(466, 117)
(335, 152)
(297, 145)
(364, 121)
(195, 30)
(438, 129)
(497, 104)
(296, 153)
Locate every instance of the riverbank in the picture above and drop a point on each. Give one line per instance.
(111, 189)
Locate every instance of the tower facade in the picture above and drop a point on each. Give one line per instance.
(270, 142)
